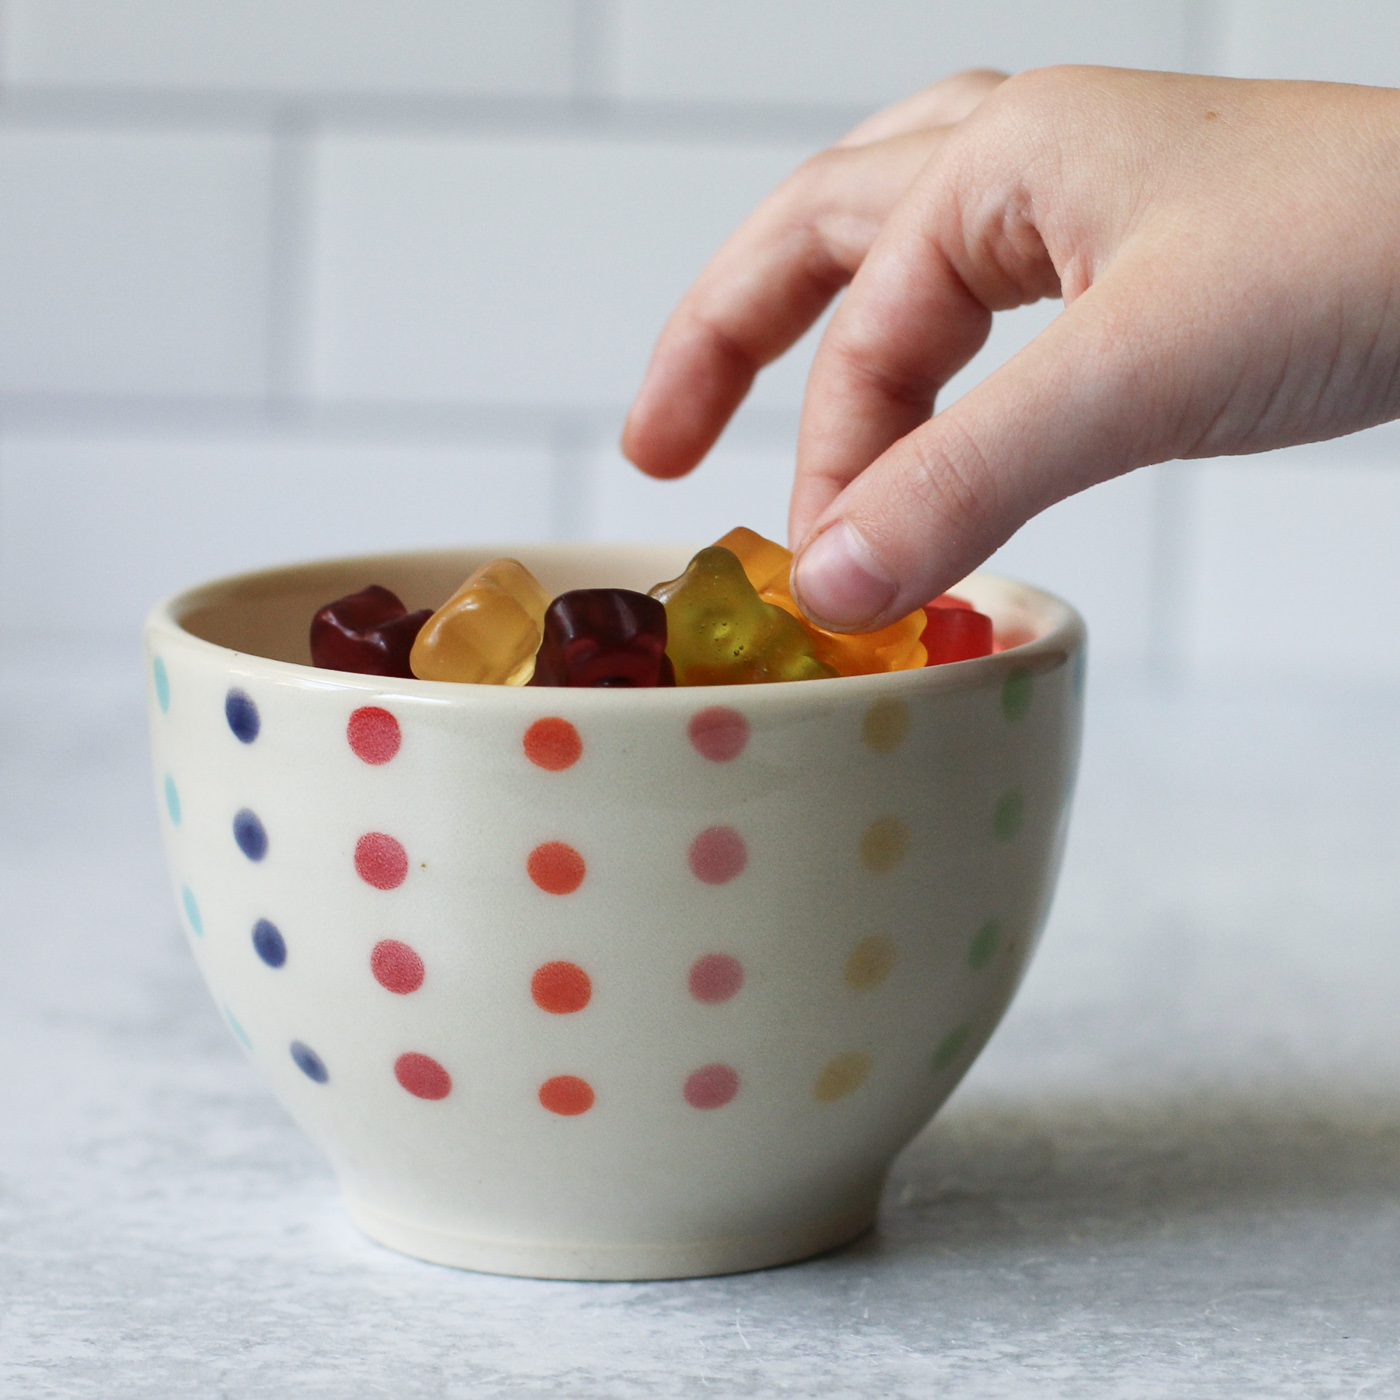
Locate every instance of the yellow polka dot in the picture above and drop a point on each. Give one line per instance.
(841, 1076)
(886, 725)
(871, 961)
(884, 844)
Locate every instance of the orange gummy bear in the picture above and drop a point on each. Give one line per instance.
(487, 632)
(893, 648)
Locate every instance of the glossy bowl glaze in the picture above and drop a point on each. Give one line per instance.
(597, 983)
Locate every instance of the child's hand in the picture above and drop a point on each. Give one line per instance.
(1229, 257)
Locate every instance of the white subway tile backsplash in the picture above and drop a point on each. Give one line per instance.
(732, 486)
(1354, 42)
(1292, 559)
(132, 263)
(871, 52)
(519, 48)
(1097, 551)
(93, 532)
(525, 271)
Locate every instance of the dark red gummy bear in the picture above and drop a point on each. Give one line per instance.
(604, 637)
(370, 631)
(955, 632)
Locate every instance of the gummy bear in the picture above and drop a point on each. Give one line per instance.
(604, 637)
(955, 632)
(893, 648)
(370, 631)
(723, 633)
(487, 632)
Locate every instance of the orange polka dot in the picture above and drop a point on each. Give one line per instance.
(567, 1094)
(556, 868)
(561, 987)
(553, 743)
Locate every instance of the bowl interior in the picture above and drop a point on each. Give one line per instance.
(268, 614)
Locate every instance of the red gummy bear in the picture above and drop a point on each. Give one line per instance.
(370, 632)
(955, 631)
(604, 637)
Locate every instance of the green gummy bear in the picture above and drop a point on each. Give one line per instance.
(720, 632)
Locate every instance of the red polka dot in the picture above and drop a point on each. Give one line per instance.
(718, 733)
(717, 855)
(396, 966)
(711, 1086)
(553, 743)
(716, 977)
(556, 868)
(381, 861)
(566, 1094)
(561, 987)
(422, 1076)
(373, 734)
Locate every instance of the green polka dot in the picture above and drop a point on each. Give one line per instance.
(172, 800)
(1016, 693)
(984, 943)
(951, 1046)
(162, 685)
(237, 1029)
(1011, 809)
(191, 909)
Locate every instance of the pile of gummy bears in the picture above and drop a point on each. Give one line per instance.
(729, 619)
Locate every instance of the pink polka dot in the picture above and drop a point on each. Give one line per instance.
(716, 977)
(381, 861)
(711, 1086)
(717, 855)
(396, 966)
(422, 1076)
(374, 734)
(718, 733)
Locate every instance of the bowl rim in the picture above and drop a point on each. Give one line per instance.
(1065, 636)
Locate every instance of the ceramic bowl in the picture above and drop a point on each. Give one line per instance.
(603, 984)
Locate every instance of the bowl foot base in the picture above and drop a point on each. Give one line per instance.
(682, 1258)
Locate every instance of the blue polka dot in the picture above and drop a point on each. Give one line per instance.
(242, 715)
(172, 799)
(162, 685)
(268, 943)
(309, 1062)
(191, 909)
(250, 834)
(237, 1029)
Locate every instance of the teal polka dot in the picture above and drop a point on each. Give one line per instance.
(172, 800)
(237, 1029)
(984, 945)
(192, 910)
(1011, 810)
(1016, 692)
(1081, 660)
(951, 1046)
(162, 685)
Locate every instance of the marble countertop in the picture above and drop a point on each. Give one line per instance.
(1176, 1169)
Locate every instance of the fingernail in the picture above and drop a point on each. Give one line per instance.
(839, 581)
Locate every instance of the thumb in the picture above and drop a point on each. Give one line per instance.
(1077, 406)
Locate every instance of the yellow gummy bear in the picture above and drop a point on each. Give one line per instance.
(487, 632)
(720, 632)
(893, 648)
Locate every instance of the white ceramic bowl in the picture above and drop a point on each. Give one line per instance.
(600, 983)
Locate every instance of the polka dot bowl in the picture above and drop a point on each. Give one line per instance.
(597, 983)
